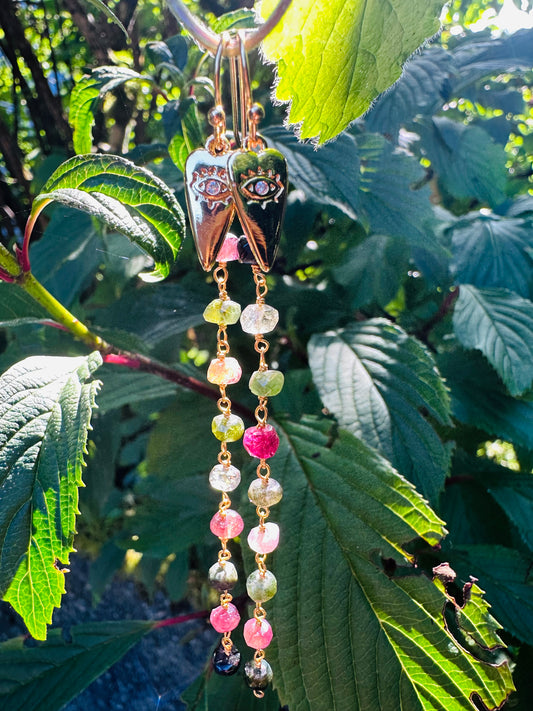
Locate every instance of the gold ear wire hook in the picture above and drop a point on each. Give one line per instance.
(218, 67)
(209, 40)
(245, 91)
(234, 69)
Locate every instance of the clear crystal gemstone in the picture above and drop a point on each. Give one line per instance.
(259, 319)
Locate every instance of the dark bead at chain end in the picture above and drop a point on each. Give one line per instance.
(258, 677)
(226, 664)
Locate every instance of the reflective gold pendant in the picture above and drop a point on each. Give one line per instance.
(210, 202)
(259, 186)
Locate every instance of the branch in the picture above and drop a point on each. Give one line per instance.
(443, 311)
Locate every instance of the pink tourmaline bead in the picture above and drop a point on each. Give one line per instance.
(257, 635)
(224, 371)
(264, 539)
(261, 442)
(229, 251)
(225, 619)
(226, 525)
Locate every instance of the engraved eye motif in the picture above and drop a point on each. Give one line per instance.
(210, 184)
(262, 187)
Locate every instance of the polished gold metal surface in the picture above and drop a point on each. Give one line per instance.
(259, 185)
(210, 202)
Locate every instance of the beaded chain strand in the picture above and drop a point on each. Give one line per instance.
(261, 441)
(224, 477)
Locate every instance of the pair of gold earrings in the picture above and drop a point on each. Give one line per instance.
(240, 177)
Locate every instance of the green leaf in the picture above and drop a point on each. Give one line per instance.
(67, 255)
(489, 56)
(388, 199)
(190, 123)
(513, 492)
(493, 252)
(421, 90)
(480, 400)
(468, 162)
(45, 411)
(127, 198)
(99, 5)
(127, 387)
(330, 175)
(334, 58)
(85, 96)
(155, 313)
(500, 325)
(371, 272)
(178, 151)
(170, 516)
(349, 635)
(45, 677)
(238, 19)
(472, 515)
(505, 575)
(176, 467)
(16, 305)
(376, 380)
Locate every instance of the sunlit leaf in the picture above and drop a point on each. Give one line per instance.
(99, 5)
(45, 410)
(127, 198)
(85, 96)
(349, 634)
(334, 58)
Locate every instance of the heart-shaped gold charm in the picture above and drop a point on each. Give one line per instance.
(210, 202)
(259, 186)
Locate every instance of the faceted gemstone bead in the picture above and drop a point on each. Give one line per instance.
(264, 539)
(266, 383)
(261, 587)
(223, 312)
(225, 663)
(261, 442)
(224, 371)
(229, 252)
(224, 477)
(226, 525)
(224, 619)
(258, 677)
(223, 577)
(257, 635)
(227, 428)
(259, 318)
(265, 493)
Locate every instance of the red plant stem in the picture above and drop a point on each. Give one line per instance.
(136, 361)
(181, 618)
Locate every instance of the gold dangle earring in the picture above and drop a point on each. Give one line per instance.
(259, 181)
(211, 211)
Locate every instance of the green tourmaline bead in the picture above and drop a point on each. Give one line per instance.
(261, 588)
(227, 428)
(223, 312)
(266, 383)
(265, 493)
